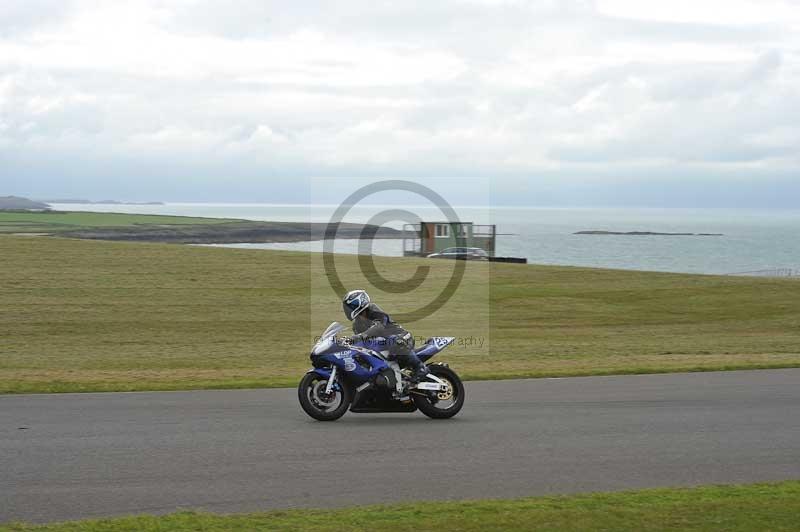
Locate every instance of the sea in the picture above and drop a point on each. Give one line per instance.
(751, 242)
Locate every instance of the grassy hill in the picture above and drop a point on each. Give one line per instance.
(91, 315)
(15, 202)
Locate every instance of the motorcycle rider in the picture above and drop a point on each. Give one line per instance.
(370, 322)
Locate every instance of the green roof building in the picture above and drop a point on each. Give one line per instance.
(424, 238)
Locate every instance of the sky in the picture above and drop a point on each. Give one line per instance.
(556, 102)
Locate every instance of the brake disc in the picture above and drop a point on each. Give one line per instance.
(320, 397)
(448, 393)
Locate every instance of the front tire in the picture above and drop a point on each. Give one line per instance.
(318, 406)
(445, 404)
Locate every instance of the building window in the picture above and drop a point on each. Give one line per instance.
(442, 230)
(463, 231)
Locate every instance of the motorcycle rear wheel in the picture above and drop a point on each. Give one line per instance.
(448, 408)
(312, 403)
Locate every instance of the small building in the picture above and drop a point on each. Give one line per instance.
(425, 238)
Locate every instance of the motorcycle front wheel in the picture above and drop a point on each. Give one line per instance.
(319, 405)
(444, 404)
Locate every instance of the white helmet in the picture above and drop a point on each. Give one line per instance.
(354, 303)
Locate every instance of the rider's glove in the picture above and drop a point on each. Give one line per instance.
(346, 340)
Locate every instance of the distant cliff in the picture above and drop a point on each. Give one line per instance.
(643, 233)
(77, 201)
(15, 203)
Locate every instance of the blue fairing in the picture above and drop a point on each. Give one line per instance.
(358, 364)
(433, 346)
(325, 373)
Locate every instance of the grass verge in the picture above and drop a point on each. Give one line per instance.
(80, 315)
(755, 507)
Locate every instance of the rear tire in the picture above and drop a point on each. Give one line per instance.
(429, 406)
(311, 404)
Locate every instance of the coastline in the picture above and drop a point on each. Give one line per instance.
(116, 226)
(232, 233)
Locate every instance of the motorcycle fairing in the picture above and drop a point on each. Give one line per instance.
(355, 365)
(360, 363)
(325, 373)
(433, 346)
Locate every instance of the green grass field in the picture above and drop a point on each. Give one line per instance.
(81, 315)
(56, 221)
(757, 507)
(171, 229)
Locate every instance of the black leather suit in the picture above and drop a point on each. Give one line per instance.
(373, 324)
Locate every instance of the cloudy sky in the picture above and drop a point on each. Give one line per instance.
(687, 102)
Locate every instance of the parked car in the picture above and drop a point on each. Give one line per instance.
(461, 254)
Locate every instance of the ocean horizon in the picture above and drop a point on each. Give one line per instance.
(751, 240)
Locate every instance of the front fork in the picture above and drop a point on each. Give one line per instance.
(331, 379)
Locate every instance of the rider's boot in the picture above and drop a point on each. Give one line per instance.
(419, 373)
(410, 360)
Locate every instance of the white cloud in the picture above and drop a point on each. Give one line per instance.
(706, 11)
(457, 87)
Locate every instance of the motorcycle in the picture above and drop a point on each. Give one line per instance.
(361, 377)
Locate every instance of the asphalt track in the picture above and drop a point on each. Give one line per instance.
(85, 455)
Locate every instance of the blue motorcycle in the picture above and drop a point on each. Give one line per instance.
(361, 377)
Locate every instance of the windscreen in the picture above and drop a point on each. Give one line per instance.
(332, 329)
